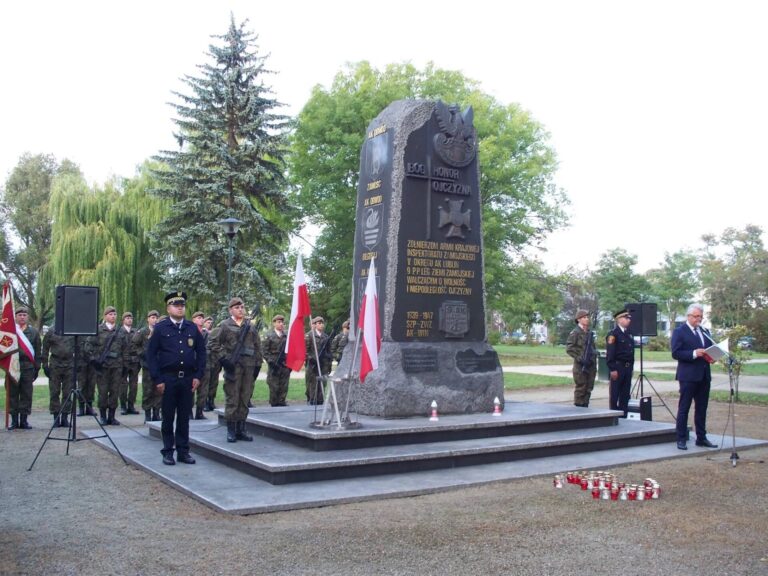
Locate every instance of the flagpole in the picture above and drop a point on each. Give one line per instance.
(7, 400)
(349, 374)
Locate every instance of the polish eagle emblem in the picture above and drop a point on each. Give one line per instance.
(456, 143)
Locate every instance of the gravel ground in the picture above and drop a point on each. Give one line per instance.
(87, 513)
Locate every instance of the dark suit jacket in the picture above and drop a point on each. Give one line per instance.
(684, 342)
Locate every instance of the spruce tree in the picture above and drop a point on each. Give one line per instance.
(229, 164)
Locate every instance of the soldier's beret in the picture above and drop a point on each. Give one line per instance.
(621, 314)
(277, 317)
(345, 324)
(127, 315)
(175, 297)
(235, 302)
(198, 314)
(153, 313)
(22, 310)
(318, 319)
(580, 314)
(109, 309)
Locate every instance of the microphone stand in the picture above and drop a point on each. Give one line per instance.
(733, 380)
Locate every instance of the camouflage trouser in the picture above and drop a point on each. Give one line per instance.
(86, 380)
(21, 392)
(213, 382)
(277, 381)
(312, 386)
(237, 393)
(150, 397)
(585, 382)
(202, 390)
(59, 385)
(108, 384)
(130, 387)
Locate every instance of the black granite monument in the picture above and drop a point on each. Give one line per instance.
(419, 217)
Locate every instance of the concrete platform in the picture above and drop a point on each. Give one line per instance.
(255, 477)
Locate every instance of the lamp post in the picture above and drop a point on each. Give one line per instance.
(230, 226)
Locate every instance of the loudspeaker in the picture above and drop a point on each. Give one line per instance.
(643, 318)
(77, 310)
(639, 408)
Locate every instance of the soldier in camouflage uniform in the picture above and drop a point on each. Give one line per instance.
(238, 372)
(278, 374)
(131, 367)
(214, 369)
(151, 397)
(21, 391)
(86, 379)
(340, 342)
(201, 394)
(58, 360)
(581, 347)
(106, 351)
(314, 389)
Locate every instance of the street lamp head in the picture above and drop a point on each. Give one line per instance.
(230, 226)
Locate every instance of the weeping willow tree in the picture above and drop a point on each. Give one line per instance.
(100, 238)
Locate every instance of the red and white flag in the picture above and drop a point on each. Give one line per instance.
(295, 348)
(369, 325)
(9, 340)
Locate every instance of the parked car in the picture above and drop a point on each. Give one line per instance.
(746, 342)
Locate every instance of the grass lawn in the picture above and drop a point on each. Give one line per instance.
(514, 381)
(747, 369)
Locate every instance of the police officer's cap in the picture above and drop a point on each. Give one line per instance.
(623, 313)
(345, 324)
(277, 317)
(153, 313)
(579, 315)
(22, 310)
(127, 315)
(176, 297)
(317, 320)
(235, 302)
(109, 310)
(198, 314)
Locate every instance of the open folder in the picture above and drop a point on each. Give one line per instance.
(716, 351)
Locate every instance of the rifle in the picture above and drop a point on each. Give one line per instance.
(229, 363)
(586, 357)
(274, 367)
(99, 362)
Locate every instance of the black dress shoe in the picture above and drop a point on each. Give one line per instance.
(185, 458)
(681, 445)
(705, 443)
(168, 459)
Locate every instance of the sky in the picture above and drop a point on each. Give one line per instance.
(657, 110)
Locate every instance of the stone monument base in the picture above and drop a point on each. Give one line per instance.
(462, 377)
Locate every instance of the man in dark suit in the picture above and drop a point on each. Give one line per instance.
(176, 360)
(689, 341)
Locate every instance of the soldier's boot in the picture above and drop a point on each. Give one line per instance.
(81, 411)
(242, 433)
(14, 421)
(207, 407)
(23, 424)
(132, 408)
(213, 404)
(89, 410)
(250, 404)
(231, 431)
(147, 415)
(199, 413)
(63, 421)
(156, 415)
(111, 417)
(123, 409)
(103, 414)
(56, 421)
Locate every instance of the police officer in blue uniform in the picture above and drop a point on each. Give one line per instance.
(620, 356)
(176, 360)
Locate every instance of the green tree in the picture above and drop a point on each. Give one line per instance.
(100, 239)
(616, 283)
(26, 240)
(675, 283)
(521, 205)
(229, 164)
(734, 273)
(578, 293)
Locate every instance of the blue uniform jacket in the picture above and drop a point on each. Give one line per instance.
(172, 350)
(684, 342)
